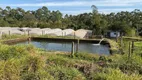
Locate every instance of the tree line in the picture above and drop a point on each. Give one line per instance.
(124, 21)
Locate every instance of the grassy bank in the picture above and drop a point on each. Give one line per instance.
(114, 46)
(25, 62)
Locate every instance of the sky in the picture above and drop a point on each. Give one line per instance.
(75, 7)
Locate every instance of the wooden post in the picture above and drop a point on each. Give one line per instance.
(28, 33)
(62, 34)
(9, 32)
(72, 49)
(121, 42)
(77, 46)
(121, 45)
(74, 35)
(65, 34)
(86, 36)
(91, 36)
(24, 32)
(29, 40)
(129, 54)
(132, 46)
(0, 34)
(116, 37)
(42, 32)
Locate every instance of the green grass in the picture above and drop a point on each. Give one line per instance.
(14, 36)
(114, 46)
(115, 74)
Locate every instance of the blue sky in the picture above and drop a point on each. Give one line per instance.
(75, 6)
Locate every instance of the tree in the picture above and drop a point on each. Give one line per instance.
(94, 9)
(96, 20)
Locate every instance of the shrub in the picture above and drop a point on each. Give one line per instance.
(65, 73)
(114, 74)
(17, 51)
(10, 69)
(86, 56)
(12, 36)
(33, 68)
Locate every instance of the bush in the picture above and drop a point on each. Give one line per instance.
(16, 51)
(114, 74)
(9, 70)
(131, 32)
(12, 36)
(86, 56)
(7, 52)
(65, 73)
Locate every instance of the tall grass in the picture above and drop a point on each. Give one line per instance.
(115, 74)
(12, 36)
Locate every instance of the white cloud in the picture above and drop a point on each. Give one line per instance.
(76, 12)
(81, 3)
(123, 1)
(105, 11)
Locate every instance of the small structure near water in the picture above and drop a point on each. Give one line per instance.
(113, 34)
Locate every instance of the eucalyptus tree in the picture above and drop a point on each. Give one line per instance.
(38, 14)
(137, 20)
(56, 16)
(8, 8)
(42, 14)
(45, 13)
(94, 9)
(65, 21)
(29, 19)
(96, 20)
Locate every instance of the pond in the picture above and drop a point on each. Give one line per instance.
(66, 46)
